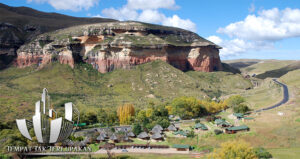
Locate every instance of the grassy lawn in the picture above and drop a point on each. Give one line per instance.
(285, 153)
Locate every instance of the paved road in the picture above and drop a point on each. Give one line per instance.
(283, 101)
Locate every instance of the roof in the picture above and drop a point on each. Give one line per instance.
(156, 136)
(201, 126)
(113, 137)
(80, 124)
(237, 128)
(172, 128)
(217, 121)
(249, 118)
(180, 132)
(158, 127)
(239, 115)
(156, 130)
(100, 138)
(131, 134)
(103, 134)
(221, 122)
(123, 128)
(143, 135)
(181, 146)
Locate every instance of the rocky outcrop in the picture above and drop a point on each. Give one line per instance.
(122, 45)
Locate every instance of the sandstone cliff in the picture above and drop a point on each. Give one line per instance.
(114, 45)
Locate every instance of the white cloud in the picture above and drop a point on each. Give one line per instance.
(215, 39)
(147, 11)
(258, 31)
(69, 4)
(176, 21)
(151, 16)
(151, 4)
(270, 25)
(120, 14)
(237, 46)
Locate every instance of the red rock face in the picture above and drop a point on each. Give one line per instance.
(205, 59)
(41, 60)
(208, 60)
(30, 59)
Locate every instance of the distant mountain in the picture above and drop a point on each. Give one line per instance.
(18, 25)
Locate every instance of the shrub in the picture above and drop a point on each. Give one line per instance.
(241, 108)
(217, 131)
(262, 153)
(234, 150)
(197, 121)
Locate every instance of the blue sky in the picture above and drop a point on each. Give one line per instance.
(262, 29)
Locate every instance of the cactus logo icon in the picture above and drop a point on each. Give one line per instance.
(49, 128)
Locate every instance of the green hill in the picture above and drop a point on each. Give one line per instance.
(151, 82)
(276, 73)
(264, 68)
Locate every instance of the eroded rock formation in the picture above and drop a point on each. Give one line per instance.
(116, 45)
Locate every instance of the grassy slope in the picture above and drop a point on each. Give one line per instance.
(266, 94)
(280, 71)
(263, 66)
(21, 88)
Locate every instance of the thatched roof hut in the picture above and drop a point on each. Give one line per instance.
(113, 137)
(100, 138)
(155, 131)
(157, 136)
(172, 128)
(143, 135)
(158, 127)
(103, 134)
(130, 134)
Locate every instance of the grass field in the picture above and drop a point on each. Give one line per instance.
(266, 94)
(285, 153)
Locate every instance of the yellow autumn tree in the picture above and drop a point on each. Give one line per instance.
(125, 113)
(237, 149)
(169, 108)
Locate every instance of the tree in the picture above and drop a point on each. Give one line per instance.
(235, 100)
(136, 128)
(126, 113)
(142, 118)
(241, 108)
(237, 149)
(262, 153)
(191, 133)
(163, 122)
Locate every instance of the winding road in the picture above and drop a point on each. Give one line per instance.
(283, 101)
